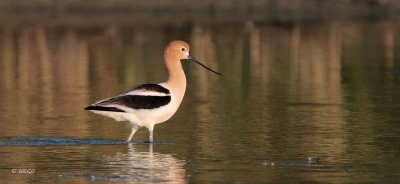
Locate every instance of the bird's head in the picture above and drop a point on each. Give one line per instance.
(179, 51)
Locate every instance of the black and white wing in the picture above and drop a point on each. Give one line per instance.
(145, 96)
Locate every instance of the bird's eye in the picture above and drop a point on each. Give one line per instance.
(183, 49)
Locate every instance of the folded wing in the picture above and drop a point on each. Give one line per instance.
(145, 96)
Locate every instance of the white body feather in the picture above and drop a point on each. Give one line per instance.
(144, 117)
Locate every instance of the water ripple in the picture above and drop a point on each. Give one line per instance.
(55, 141)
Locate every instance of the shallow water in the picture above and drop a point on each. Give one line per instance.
(312, 103)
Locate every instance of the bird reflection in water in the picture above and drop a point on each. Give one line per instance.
(141, 166)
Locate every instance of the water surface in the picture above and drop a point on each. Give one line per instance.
(326, 92)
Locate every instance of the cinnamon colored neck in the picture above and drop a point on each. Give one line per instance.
(177, 78)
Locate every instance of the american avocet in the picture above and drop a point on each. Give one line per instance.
(148, 104)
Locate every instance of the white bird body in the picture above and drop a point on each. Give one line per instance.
(149, 104)
(144, 117)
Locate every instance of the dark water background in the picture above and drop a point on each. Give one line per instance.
(329, 92)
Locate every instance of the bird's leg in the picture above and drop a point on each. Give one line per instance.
(134, 129)
(151, 128)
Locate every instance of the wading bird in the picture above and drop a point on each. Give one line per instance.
(149, 104)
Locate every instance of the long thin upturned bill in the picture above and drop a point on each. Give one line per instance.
(201, 64)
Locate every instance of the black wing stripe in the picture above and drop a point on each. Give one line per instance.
(102, 108)
(138, 101)
(152, 87)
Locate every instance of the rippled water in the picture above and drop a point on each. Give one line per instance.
(314, 103)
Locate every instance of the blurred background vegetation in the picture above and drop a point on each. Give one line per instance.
(158, 12)
(74, 52)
